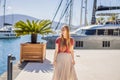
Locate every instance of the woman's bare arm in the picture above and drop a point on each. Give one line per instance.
(72, 52)
(55, 54)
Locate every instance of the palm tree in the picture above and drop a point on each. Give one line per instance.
(33, 27)
(112, 18)
(100, 20)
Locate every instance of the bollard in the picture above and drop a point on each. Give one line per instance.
(10, 66)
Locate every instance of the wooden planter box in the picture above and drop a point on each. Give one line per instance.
(32, 52)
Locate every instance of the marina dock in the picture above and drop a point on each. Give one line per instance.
(90, 65)
(93, 24)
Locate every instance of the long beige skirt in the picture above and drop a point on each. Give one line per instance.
(64, 69)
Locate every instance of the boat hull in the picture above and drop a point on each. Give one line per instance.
(89, 42)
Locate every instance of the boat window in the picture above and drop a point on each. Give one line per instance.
(114, 22)
(100, 32)
(115, 32)
(119, 32)
(106, 44)
(110, 32)
(79, 44)
(90, 32)
(79, 32)
(109, 23)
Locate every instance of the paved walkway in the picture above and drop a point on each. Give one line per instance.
(90, 65)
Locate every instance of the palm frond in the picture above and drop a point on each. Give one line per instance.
(33, 27)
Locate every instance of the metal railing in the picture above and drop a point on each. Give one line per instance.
(10, 66)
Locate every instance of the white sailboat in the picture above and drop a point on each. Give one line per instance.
(6, 31)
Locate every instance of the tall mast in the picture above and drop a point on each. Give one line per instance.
(81, 9)
(4, 6)
(67, 13)
(0, 2)
(85, 12)
(71, 14)
(93, 21)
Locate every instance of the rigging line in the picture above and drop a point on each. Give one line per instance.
(64, 8)
(63, 14)
(63, 11)
(67, 12)
(57, 11)
(66, 15)
(60, 19)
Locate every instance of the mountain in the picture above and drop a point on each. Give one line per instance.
(13, 18)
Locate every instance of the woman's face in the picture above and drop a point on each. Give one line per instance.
(63, 32)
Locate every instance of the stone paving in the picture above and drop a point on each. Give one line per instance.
(17, 68)
(90, 65)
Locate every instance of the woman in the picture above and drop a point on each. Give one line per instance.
(64, 57)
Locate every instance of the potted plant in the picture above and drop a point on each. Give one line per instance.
(34, 50)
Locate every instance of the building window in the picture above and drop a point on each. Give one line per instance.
(106, 43)
(79, 43)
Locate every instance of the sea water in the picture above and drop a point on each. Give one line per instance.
(12, 46)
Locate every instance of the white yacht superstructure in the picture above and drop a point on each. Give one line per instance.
(7, 32)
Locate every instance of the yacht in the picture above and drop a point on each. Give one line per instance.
(92, 37)
(7, 32)
(100, 36)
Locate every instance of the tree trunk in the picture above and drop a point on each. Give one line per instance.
(33, 38)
